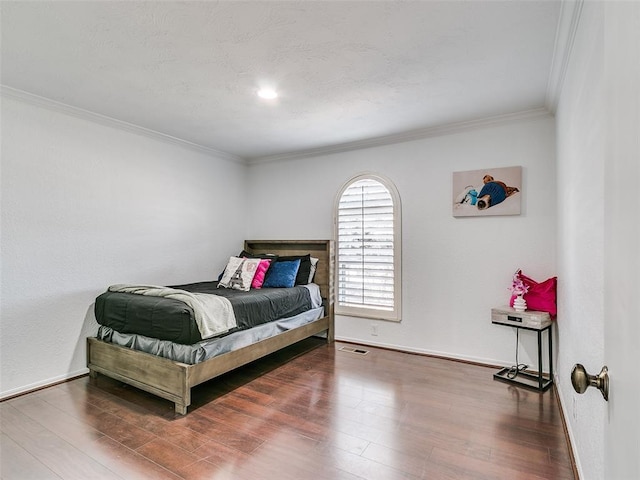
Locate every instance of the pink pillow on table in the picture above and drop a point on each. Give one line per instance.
(261, 271)
(541, 296)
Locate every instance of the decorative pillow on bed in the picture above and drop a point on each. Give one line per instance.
(312, 272)
(302, 277)
(239, 273)
(261, 272)
(282, 274)
(271, 256)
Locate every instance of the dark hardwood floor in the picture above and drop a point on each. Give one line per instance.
(309, 412)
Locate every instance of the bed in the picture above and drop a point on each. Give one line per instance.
(173, 379)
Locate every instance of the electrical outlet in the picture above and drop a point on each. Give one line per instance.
(374, 329)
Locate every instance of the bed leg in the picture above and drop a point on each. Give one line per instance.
(181, 409)
(93, 375)
(331, 336)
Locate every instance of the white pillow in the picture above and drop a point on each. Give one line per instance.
(312, 272)
(239, 273)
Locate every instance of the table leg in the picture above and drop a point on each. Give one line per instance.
(550, 354)
(540, 359)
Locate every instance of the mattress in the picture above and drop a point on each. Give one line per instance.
(211, 347)
(172, 320)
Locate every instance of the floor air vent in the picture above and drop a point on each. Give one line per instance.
(357, 351)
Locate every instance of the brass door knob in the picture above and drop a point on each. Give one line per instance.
(581, 380)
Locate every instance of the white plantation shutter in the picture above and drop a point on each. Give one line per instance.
(368, 250)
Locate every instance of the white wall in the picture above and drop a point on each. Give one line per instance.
(581, 127)
(85, 206)
(622, 237)
(454, 269)
(598, 119)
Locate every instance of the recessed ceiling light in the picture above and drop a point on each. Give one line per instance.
(267, 93)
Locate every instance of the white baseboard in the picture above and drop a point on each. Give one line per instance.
(572, 438)
(43, 384)
(401, 348)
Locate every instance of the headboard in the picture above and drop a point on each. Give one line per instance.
(320, 249)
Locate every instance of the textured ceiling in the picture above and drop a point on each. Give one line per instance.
(346, 71)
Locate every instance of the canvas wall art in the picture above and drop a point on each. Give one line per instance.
(491, 191)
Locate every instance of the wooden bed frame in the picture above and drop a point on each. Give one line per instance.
(173, 380)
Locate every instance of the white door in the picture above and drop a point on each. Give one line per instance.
(622, 240)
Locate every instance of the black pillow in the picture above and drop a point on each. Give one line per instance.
(302, 278)
(273, 258)
(246, 254)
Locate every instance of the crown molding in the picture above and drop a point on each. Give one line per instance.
(568, 22)
(30, 98)
(408, 136)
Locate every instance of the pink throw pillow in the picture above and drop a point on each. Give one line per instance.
(540, 297)
(261, 271)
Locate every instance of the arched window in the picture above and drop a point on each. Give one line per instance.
(368, 220)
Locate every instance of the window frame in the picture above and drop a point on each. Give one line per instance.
(394, 315)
